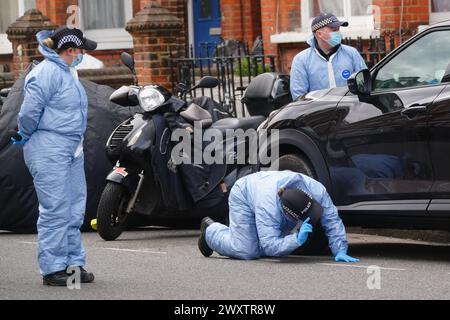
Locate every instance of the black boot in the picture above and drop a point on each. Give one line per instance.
(86, 277)
(57, 279)
(202, 244)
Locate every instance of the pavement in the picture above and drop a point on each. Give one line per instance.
(163, 264)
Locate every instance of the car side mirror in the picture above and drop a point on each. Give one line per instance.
(360, 83)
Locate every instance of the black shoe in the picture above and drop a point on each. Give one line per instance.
(86, 277)
(202, 244)
(57, 279)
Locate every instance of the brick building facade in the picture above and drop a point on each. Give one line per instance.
(283, 24)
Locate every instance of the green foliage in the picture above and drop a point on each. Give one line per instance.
(245, 67)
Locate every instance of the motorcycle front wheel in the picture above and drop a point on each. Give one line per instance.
(112, 217)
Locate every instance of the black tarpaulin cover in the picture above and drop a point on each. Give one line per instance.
(18, 201)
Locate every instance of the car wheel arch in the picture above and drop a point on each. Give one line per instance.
(295, 141)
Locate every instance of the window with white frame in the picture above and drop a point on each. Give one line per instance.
(359, 13)
(10, 11)
(440, 10)
(104, 21)
(363, 18)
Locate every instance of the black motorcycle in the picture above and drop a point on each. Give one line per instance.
(146, 181)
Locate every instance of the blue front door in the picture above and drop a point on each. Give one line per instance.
(207, 18)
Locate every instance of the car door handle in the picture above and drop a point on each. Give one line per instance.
(415, 110)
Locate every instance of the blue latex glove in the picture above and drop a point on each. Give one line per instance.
(343, 257)
(19, 143)
(304, 232)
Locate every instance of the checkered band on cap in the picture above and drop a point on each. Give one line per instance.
(69, 39)
(322, 24)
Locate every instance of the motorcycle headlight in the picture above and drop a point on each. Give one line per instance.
(150, 99)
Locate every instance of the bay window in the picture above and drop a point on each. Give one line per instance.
(360, 15)
(104, 21)
(440, 11)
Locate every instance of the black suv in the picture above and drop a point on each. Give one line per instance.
(382, 145)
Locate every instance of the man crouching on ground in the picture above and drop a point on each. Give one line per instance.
(264, 209)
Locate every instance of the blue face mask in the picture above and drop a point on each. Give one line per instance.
(78, 60)
(335, 39)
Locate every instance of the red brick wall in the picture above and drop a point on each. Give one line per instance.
(415, 12)
(256, 18)
(289, 16)
(268, 24)
(56, 10)
(287, 53)
(179, 9)
(110, 58)
(252, 20)
(136, 6)
(232, 19)
(278, 16)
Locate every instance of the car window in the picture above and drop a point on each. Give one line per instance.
(422, 63)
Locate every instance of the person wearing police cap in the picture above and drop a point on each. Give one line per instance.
(327, 63)
(52, 122)
(264, 210)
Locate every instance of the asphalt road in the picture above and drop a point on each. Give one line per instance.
(166, 264)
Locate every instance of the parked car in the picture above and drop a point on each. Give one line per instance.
(381, 146)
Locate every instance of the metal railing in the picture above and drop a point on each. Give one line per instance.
(376, 49)
(235, 67)
(229, 61)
